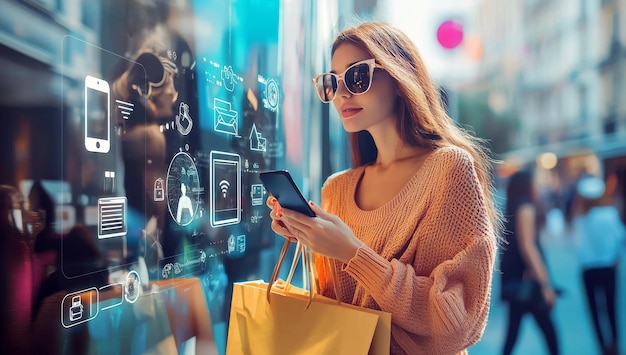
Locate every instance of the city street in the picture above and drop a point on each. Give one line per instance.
(572, 320)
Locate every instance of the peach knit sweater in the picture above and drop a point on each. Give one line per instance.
(427, 258)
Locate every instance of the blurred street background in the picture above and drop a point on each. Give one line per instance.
(544, 82)
(572, 320)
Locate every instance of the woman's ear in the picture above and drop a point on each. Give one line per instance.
(398, 89)
(399, 103)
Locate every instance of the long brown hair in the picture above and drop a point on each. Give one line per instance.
(423, 119)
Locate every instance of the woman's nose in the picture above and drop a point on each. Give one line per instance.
(342, 90)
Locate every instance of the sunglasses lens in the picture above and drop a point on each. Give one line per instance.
(358, 79)
(326, 87)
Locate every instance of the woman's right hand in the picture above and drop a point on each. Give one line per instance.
(549, 295)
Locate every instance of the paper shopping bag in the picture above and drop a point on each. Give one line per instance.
(382, 335)
(286, 326)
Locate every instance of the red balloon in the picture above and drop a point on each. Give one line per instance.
(450, 34)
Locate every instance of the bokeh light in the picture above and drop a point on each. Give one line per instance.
(473, 47)
(547, 160)
(450, 34)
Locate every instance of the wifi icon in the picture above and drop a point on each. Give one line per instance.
(224, 185)
(126, 108)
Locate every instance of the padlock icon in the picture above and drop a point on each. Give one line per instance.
(76, 310)
(159, 191)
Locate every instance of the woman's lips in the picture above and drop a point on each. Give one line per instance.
(349, 112)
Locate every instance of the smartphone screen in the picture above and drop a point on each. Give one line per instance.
(280, 184)
(97, 115)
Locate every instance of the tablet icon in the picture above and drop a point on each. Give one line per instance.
(225, 188)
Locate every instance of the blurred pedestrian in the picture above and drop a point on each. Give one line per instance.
(16, 275)
(47, 242)
(600, 236)
(42, 206)
(526, 284)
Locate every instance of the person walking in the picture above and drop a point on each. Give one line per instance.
(600, 236)
(526, 284)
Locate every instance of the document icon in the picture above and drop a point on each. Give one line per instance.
(111, 217)
(226, 120)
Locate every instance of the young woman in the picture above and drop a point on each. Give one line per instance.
(522, 260)
(410, 229)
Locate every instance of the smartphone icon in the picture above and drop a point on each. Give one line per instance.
(97, 115)
(280, 184)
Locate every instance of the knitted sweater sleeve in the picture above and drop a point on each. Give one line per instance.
(443, 296)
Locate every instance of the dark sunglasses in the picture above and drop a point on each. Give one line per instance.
(357, 78)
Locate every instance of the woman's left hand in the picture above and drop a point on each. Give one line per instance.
(326, 234)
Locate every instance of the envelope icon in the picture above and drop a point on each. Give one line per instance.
(225, 119)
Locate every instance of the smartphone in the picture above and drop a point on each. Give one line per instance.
(97, 115)
(280, 184)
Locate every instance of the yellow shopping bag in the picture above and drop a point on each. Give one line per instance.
(290, 322)
(287, 326)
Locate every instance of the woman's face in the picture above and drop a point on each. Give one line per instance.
(375, 108)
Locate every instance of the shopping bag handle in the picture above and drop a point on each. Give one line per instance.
(294, 264)
(279, 263)
(306, 258)
(333, 272)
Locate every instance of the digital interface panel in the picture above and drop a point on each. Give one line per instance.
(142, 160)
